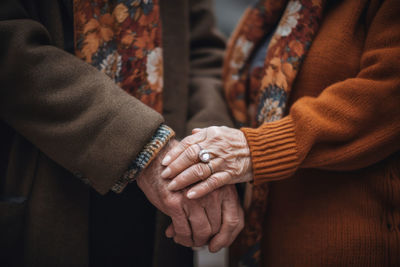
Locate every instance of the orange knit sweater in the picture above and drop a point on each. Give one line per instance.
(335, 158)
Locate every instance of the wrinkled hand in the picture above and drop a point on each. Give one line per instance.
(226, 200)
(230, 163)
(194, 222)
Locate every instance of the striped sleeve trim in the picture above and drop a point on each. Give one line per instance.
(160, 138)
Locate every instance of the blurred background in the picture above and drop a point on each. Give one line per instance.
(228, 13)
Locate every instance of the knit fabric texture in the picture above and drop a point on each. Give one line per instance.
(270, 87)
(332, 160)
(150, 151)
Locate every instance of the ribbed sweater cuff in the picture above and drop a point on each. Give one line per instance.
(273, 150)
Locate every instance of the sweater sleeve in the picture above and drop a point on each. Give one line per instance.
(68, 109)
(350, 125)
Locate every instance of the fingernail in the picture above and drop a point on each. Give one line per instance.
(171, 186)
(214, 250)
(166, 173)
(166, 160)
(191, 194)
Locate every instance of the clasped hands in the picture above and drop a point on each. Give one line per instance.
(200, 199)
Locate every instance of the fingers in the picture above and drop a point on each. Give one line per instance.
(204, 217)
(214, 215)
(232, 224)
(210, 184)
(170, 232)
(183, 232)
(183, 161)
(199, 232)
(182, 146)
(201, 228)
(189, 176)
(195, 173)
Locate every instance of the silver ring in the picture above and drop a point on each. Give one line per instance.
(211, 168)
(204, 156)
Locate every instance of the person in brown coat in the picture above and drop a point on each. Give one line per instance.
(73, 141)
(315, 87)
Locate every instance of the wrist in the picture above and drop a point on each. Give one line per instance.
(156, 163)
(247, 164)
(158, 141)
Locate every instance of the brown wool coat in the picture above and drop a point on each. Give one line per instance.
(61, 118)
(335, 158)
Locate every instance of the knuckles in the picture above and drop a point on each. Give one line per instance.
(191, 153)
(183, 234)
(203, 234)
(173, 204)
(212, 183)
(233, 221)
(184, 241)
(198, 171)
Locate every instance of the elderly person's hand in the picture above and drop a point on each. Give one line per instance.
(223, 200)
(195, 224)
(215, 219)
(216, 156)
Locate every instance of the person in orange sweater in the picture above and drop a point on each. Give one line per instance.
(315, 87)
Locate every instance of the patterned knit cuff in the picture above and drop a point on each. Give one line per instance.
(273, 150)
(149, 152)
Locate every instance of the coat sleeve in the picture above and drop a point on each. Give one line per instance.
(352, 124)
(73, 113)
(206, 101)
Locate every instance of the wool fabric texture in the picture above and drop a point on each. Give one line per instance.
(123, 40)
(59, 115)
(270, 85)
(332, 161)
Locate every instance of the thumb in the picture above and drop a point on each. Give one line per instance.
(170, 231)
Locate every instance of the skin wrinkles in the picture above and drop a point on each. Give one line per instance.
(231, 161)
(214, 220)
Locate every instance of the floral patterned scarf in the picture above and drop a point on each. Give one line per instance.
(122, 38)
(261, 96)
